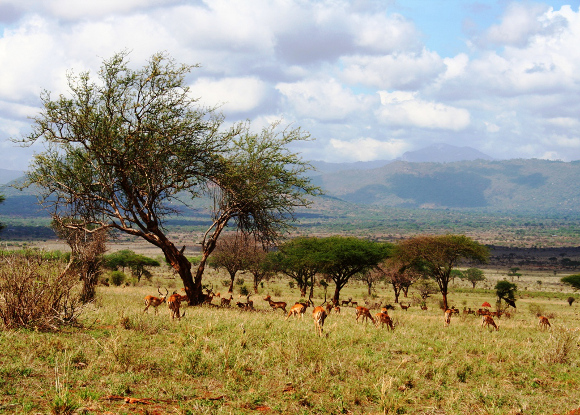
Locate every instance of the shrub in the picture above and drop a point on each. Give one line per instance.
(37, 293)
(240, 281)
(536, 309)
(244, 290)
(117, 278)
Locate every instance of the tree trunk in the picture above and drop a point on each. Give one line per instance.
(370, 287)
(336, 297)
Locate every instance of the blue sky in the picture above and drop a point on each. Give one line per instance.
(369, 79)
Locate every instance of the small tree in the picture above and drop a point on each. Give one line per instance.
(400, 275)
(257, 264)
(341, 258)
(473, 275)
(572, 280)
(513, 272)
(438, 255)
(370, 278)
(506, 291)
(425, 287)
(230, 254)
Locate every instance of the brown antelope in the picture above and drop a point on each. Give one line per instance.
(337, 309)
(405, 307)
(447, 320)
(345, 302)
(329, 308)
(385, 310)
(423, 306)
(297, 310)
(383, 318)
(319, 315)
(226, 301)
(365, 313)
(488, 321)
(276, 304)
(174, 302)
(155, 301)
(544, 322)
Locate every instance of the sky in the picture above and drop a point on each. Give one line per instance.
(368, 79)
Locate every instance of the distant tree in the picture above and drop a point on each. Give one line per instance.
(297, 259)
(438, 255)
(231, 253)
(123, 149)
(399, 274)
(370, 278)
(257, 264)
(455, 273)
(513, 272)
(506, 291)
(138, 264)
(341, 258)
(425, 287)
(473, 275)
(572, 280)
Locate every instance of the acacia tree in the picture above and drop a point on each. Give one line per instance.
(438, 255)
(297, 258)
(473, 275)
(572, 280)
(400, 275)
(120, 151)
(341, 258)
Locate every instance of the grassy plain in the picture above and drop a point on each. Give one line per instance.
(226, 361)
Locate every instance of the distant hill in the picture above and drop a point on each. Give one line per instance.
(444, 153)
(7, 176)
(517, 185)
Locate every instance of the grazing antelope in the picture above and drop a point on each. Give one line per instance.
(353, 303)
(276, 304)
(155, 301)
(488, 321)
(364, 312)
(383, 318)
(405, 307)
(544, 322)
(319, 315)
(297, 310)
(345, 302)
(174, 302)
(226, 301)
(447, 320)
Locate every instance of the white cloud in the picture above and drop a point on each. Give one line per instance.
(366, 149)
(325, 100)
(236, 94)
(406, 109)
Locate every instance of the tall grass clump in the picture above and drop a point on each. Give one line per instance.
(36, 292)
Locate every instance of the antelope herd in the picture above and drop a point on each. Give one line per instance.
(320, 313)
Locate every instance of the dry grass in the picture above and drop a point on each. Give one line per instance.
(223, 361)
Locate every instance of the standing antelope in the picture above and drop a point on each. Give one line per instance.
(364, 312)
(226, 301)
(297, 310)
(383, 318)
(544, 322)
(174, 302)
(448, 313)
(405, 307)
(319, 315)
(488, 321)
(276, 304)
(154, 301)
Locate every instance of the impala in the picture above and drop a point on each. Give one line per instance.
(297, 310)
(405, 307)
(226, 301)
(447, 320)
(365, 313)
(544, 322)
(383, 318)
(319, 315)
(174, 302)
(155, 301)
(276, 304)
(488, 321)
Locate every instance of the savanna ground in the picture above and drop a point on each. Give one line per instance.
(227, 361)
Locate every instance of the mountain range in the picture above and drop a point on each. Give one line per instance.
(438, 177)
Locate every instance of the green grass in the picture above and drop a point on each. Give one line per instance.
(224, 361)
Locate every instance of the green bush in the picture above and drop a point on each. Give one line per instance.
(117, 278)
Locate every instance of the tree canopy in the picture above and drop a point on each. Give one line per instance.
(438, 255)
(572, 280)
(506, 291)
(122, 150)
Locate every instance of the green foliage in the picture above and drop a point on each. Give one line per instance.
(127, 258)
(572, 280)
(117, 278)
(505, 290)
(473, 275)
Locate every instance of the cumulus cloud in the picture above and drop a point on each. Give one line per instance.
(366, 149)
(406, 109)
(233, 95)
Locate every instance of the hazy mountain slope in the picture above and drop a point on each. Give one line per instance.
(509, 184)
